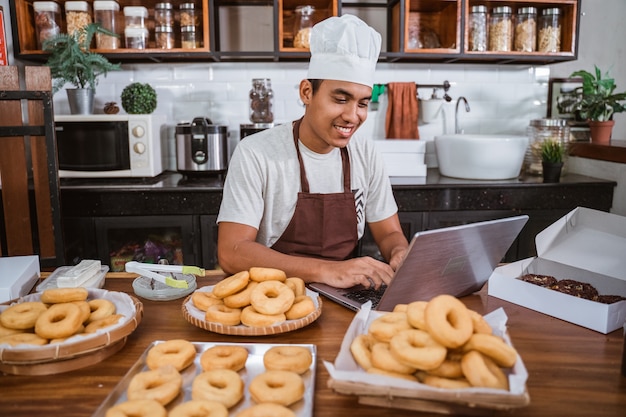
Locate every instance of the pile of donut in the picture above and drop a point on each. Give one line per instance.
(258, 297)
(219, 387)
(439, 342)
(59, 314)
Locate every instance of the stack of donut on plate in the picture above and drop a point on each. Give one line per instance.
(439, 343)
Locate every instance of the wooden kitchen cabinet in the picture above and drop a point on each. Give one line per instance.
(244, 30)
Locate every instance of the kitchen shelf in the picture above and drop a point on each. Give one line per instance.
(262, 30)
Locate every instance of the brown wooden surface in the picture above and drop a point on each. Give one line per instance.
(573, 371)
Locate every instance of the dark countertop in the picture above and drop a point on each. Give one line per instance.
(172, 193)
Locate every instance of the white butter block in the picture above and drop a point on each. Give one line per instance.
(79, 274)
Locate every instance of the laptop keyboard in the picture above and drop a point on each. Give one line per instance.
(367, 294)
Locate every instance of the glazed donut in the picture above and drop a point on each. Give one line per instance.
(408, 377)
(449, 368)
(100, 309)
(400, 308)
(448, 321)
(418, 349)
(383, 359)
(199, 408)
(251, 318)
(94, 326)
(202, 300)
(64, 295)
(415, 314)
(176, 352)
(137, 408)
(23, 339)
(384, 327)
(221, 385)
(271, 297)
(479, 324)
(5, 331)
(481, 371)
(224, 357)
(278, 387)
(297, 285)
(493, 347)
(266, 410)
(221, 314)
(85, 310)
(361, 349)
(296, 359)
(303, 305)
(59, 321)
(442, 382)
(22, 316)
(242, 298)
(231, 285)
(259, 274)
(162, 385)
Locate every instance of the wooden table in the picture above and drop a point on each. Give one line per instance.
(573, 371)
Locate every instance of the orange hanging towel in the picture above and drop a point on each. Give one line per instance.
(402, 111)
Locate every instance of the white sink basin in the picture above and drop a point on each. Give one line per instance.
(480, 157)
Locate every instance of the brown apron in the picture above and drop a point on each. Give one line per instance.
(323, 225)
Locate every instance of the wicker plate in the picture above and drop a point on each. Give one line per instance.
(195, 316)
(78, 345)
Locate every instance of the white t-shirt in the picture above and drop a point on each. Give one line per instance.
(263, 181)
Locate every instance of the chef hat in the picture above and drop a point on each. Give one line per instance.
(345, 49)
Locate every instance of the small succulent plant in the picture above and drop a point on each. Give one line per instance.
(552, 151)
(138, 98)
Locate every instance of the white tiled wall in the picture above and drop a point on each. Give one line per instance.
(502, 98)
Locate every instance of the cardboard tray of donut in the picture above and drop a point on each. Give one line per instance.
(584, 245)
(254, 366)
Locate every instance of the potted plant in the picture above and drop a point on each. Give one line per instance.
(552, 153)
(597, 103)
(138, 98)
(71, 61)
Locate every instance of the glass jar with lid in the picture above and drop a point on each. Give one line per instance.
(105, 13)
(549, 37)
(164, 14)
(164, 37)
(77, 16)
(188, 15)
(135, 16)
(261, 101)
(539, 131)
(136, 38)
(477, 29)
(526, 29)
(47, 20)
(501, 29)
(302, 24)
(188, 37)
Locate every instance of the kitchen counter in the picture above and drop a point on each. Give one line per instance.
(573, 371)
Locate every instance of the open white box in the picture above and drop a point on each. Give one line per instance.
(585, 245)
(403, 157)
(18, 275)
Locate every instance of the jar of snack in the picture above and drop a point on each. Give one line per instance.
(303, 23)
(164, 14)
(477, 29)
(501, 29)
(261, 101)
(540, 130)
(549, 37)
(136, 38)
(47, 20)
(105, 13)
(188, 37)
(526, 29)
(77, 16)
(164, 37)
(188, 15)
(135, 16)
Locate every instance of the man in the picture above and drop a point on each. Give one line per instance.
(297, 196)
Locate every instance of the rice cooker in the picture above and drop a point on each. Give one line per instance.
(201, 147)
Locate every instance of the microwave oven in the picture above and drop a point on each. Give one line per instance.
(109, 146)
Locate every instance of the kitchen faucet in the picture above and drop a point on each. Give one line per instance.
(456, 113)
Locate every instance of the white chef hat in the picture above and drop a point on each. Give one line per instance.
(344, 49)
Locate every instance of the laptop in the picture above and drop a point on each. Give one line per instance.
(455, 260)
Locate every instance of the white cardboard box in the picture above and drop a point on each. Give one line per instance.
(403, 157)
(18, 275)
(584, 245)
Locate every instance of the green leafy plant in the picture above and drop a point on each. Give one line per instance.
(71, 61)
(596, 98)
(138, 98)
(552, 151)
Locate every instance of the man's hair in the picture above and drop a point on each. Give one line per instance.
(315, 84)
